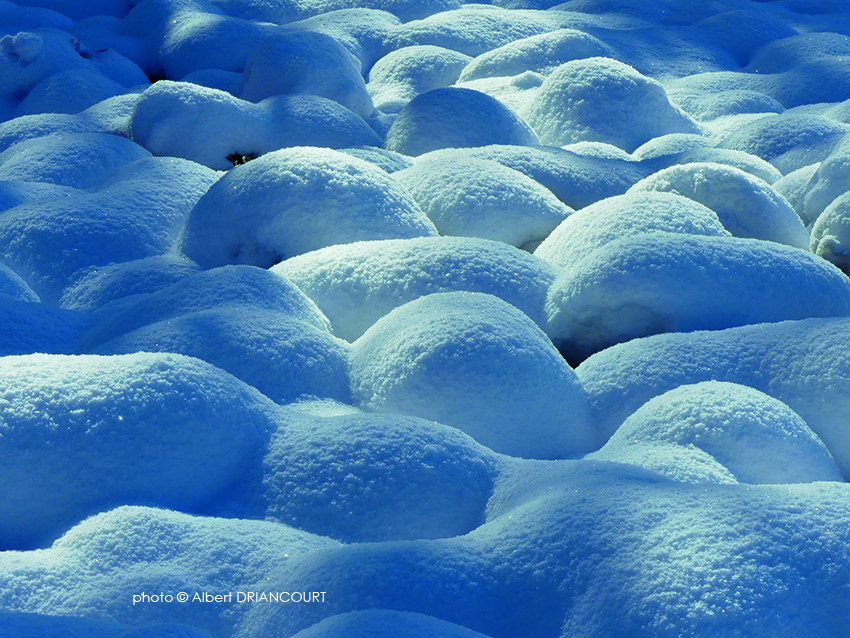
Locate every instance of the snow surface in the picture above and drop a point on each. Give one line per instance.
(456, 319)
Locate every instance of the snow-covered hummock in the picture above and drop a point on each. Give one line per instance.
(802, 363)
(49, 70)
(282, 357)
(539, 54)
(789, 141)
(296, 200)
(360, 477)
(109, 116)
(401, 75)
(665, 282)
(622, 216)
(383, 623)
(14, 192)
(754, 437)
(304, 62)
(456, 118)
(576, 179)
(746, 205)
(137, 212)
(150, 424)
(12, 286)
(831, 233)
(215, 129)
(356, 284)
(77, 160)
(470, 197)
(107, 559)
(103, 284)
(474, 362)
(603, 100)
(794, 186)
(244, 287)
(830, 181)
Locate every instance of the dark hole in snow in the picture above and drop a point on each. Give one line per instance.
(237, 159)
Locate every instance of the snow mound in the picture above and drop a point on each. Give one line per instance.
(801, 363)
(12, 286)
(746, 205)
(81, 160)
(264, 211)
(830, 180)
(27, 327)
(110, 116)
(401, 75)
(243, 287)
(474, 362)
(577, 180)
(453, 118)
(480, 198)
(283, 358)
(794, 186)
(622, 216)
(600, 99)
(539, 53)
(831, 233)
(304, 62)
(368, 477)
(14, 192)
(159, 422)
(69, 92)
(788, 141)
(757, 438)
(357, 284)
(215, 129)
(107, 559)
(382, 158)
(137, 212)
(103, 284)
(381, 623)
(664, 282)
(706, 106)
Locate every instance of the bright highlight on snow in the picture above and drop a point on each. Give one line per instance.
(380, 318)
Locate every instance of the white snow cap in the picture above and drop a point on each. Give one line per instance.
(296, 200)
(357, 284)
(622, 216)
(746, 205)
(455, 117)
(666, 282)
(474, 362)
(473, 197)
(755, 437)
(603, 100)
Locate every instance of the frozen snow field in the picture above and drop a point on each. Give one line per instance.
(424, 318)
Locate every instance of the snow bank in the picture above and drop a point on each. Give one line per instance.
(243, 287)
(757, 438)
(137, 212)
(105, 560)
(159, 422)
(453, 118)
(664, 282)
(474, 362)
(603, 100)
(470, 197)
(305, 62)
(283, 358)
(746, 205)
(81, 160)
(215, 129)
(801, 363)
(577, 180)
(623, 216)
(831, 233)
(539, 53)
(357, 284)
(366, 477)
(264, 211)
(403, 74)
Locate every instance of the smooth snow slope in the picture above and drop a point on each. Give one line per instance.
(371, 318)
